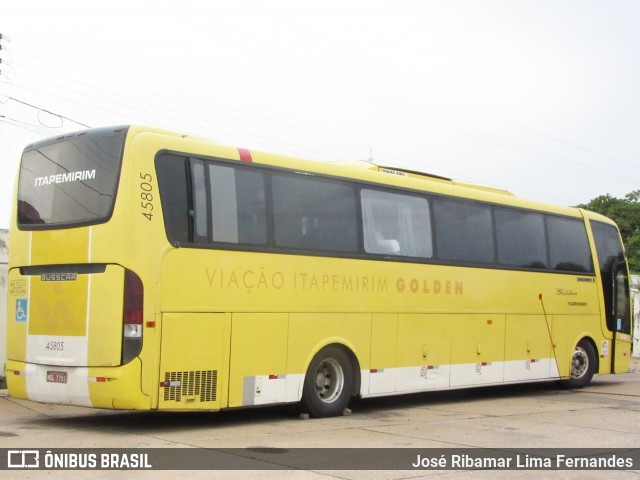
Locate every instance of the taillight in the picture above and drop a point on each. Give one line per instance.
(132, 316)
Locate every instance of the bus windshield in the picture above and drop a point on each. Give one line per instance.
(70, 180)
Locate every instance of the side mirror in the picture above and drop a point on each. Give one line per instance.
(621, 305)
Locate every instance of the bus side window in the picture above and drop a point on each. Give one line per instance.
(238, 205)
(171, 171)
(464, 231)
(200, 203)
(314, 214)
(568, 245)
(252, 217)
(396, 224)
(520, 238)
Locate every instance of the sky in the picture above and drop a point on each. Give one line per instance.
(539, 97)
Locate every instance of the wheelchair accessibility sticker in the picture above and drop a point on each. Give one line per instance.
(21, 309)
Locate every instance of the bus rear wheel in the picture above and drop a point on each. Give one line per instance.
(583, 365)
(328, 383)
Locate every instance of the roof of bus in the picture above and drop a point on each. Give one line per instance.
(403, 172)
(370, 172)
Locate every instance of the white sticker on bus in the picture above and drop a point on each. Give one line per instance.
(80, 175)
(21, 309)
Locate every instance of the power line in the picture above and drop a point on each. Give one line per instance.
(49, 112)
(499, 141)
(410, 109)
(479, 134)
(24, 125)
(491, 139)
(436, 90)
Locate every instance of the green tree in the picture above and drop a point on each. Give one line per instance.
(626, 213)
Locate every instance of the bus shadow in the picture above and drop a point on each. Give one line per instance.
(154, 421)
(451, 397)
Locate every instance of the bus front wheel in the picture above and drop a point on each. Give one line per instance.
(328, 383)
(583, 365)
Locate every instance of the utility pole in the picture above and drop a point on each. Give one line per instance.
(3, 48)
(0, 54)
(3, 41)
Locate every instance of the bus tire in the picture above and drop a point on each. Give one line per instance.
(583, 365)
(328, 383)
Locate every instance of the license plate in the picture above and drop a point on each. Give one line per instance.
(56, 377)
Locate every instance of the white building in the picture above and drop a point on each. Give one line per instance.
(4, 281)
(635, 296)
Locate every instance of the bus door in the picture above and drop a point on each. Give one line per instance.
(621, 314)
(614, 278)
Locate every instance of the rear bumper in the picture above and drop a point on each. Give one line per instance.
(97, 387)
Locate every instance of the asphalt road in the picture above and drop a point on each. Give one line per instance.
(606, 414)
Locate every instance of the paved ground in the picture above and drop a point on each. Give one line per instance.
(605, 414)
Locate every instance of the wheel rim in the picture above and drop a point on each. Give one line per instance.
(329, 380)
(579, 363)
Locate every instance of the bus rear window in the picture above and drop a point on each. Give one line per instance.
(70, 181)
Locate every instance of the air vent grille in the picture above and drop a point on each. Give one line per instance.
(199, 383)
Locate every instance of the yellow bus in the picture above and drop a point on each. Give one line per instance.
(155, 270)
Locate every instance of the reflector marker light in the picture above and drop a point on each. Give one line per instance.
(166, 384)
(133, 299)
(245, 155)
(132, 316)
